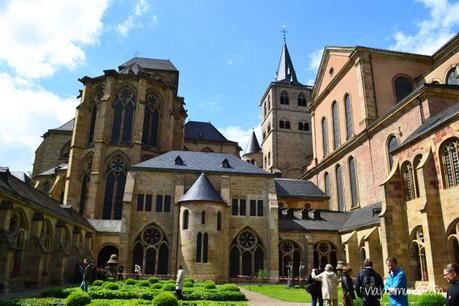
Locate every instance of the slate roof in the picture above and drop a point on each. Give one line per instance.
(66, 127)
(17, 188)
(288, 188)
(22, 176)
(200, 162)
(148, 64)
(432, 123)
(197, 130)
(362, 217)
(286, 71)
(201, 190)
(53, 170)
(329, 221)
(253, 146)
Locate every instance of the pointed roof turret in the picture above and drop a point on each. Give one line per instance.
(201, 190)
(253, 146)
(286, 72)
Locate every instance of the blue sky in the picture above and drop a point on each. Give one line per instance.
(226, 51)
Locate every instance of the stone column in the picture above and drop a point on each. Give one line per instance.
(6, 208)
(34, 256)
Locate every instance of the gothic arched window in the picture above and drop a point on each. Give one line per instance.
(324, 137)
(199, 248)
(418, 256)
(150, 121)
(324, 253)
(451, 77)
(353, 182)
(65, 151)
(339, 188)
(449, 153)
(408, 181)
(115, 180)
(403, 87)
(246, 255)
(335, 119)
(348, 112)
(124, 108)
(205, 247)
(391, 145)
(327, 183)
(289, 257)
(99, 93)
(301, 99)
(151, 251)
(17, 231)
(284, 98)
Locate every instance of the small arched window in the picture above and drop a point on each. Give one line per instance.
(203, 217)
(301, 99)
(269, 127)
(417, 160)
(451, 77)
(287, 125)
(269, 158)
(408, 181)
(391, 145)
(449, 153)
(348, 111)
(115, 180)
(199, 248)
(335, 119)
(186, 217)
(353, 182)
(306, 126)
(205, 247)
(403, 87)
(65, 151)
(99, 93)
(85, 186)
(339, 188)
(284, 98)
(300, 126)
(124, 108)
(327, 183)
(324, 137)
(219, 221)
(281, 124)
(264, 109)
(150, 121)
(269, 102)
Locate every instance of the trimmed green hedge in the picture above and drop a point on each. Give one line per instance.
(98, 282)
(153, 280)
(169, 287)
(229, 287)
(165, 299)
(111, 286)
(61, 293)
(130, 281)
(78, 298)
(209, 284)
(431, 299)
(143, 283)
(156, 286)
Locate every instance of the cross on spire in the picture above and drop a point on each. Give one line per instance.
(284, 32)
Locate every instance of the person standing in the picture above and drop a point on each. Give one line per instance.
(396, 284)
(329, 281)
(451, 274)
(87, 274)
(369, 285)
(348, 287)
(120, 272)
(314, 288)
(137, 270)
(179, 283)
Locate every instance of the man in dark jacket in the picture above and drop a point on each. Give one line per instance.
(348, 287)
(87, 274)
(314, 288)
(369, 285)
(451, 274)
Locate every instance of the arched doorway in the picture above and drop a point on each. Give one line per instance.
(105, 253)
(289, 253)
(324, 253)
(453, 243)
(418, 256)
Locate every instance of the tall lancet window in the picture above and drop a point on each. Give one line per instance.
(115, 180)
(99, 93)
(85, 185)
(124, 108)
(151, 121)
(335, 118)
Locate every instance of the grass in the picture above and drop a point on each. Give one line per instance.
(299, 295)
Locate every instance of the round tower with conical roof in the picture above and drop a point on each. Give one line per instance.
(253, 153)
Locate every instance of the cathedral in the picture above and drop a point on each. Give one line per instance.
(363, 164)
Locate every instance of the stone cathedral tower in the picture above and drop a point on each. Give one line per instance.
(286, 124)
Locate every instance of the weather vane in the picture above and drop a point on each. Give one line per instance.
(284, 32)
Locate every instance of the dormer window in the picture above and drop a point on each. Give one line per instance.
(226, 164)
(179, 161)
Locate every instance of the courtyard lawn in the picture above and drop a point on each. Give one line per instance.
(299, 295)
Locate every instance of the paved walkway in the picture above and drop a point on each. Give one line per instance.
(258, 299)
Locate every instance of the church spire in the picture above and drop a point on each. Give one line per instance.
(253, 146)
(285, 72)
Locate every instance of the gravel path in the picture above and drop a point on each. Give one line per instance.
(258, 299)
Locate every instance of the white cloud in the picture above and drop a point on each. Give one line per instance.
(314, 59)
(433, 32)
(141, 8)
(28, 112)
(242, 136)
(41, 36)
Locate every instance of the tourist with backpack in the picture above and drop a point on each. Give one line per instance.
(348, 287)
(369, 285)
(396, 284)
(314, 288)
